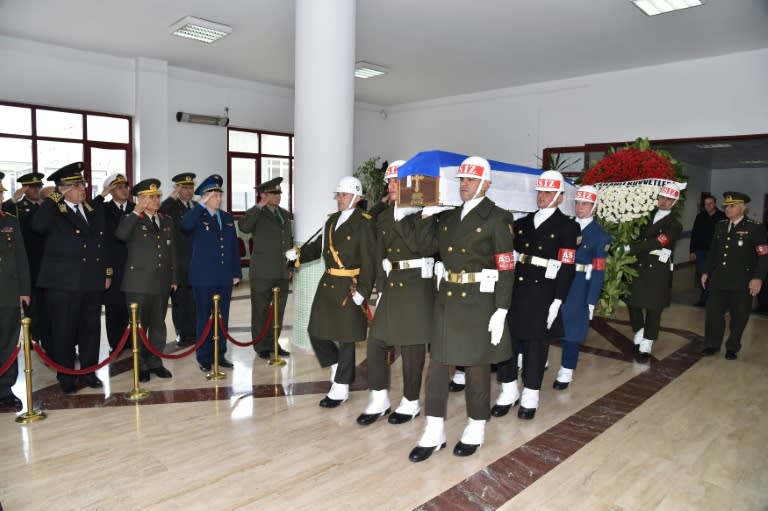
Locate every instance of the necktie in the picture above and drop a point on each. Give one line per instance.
(80, 212)
(154, 223)
(730, 228)
(278, 216)
(122, 208)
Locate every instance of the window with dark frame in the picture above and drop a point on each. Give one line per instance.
(36, 138)
(253, 157)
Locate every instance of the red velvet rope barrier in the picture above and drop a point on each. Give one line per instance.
(88, 370)
(198, 343)
(264, 330)
(10, 361)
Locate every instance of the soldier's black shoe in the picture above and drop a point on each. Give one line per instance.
(264, 354)
(223, 362)
(366, 419)
(144, 376)
(526, 413)
(11, 402)
(161, 372)
(462, 449)
(455, 387)
(327, 402)
(401, 418)
(68, 386)
(282, 352)
(708, 352)
(419, 453)
(90, 380)
(560, 385)
(642, 356)
(206, 368)
(502, 410)
(730, 355)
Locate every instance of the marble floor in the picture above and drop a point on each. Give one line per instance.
(677, 433)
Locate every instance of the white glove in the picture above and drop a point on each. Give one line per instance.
(434, 210)
(387, 265)
(401, 213)
(292, 254)
(554, 308)
(591, 311)
(496, 325)
(357, 298)
(378, 299)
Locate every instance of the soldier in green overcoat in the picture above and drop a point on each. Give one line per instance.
(469, 325)
(650, 290)
(404, 308)
(339, 315)
(734, 273)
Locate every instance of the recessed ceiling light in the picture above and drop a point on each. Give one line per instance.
(198, 29)
(713, 146)
(654, 7)
(753, 162)
(367, 70)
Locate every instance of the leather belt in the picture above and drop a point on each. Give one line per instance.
(533, 260)
(343, 272)
(408, 264)
(462, 278)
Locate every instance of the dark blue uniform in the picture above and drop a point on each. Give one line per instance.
(583, 293)
(215, 262)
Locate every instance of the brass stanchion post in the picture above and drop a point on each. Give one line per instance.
(276, 360)
(31, 415)
(215, 374)
(137, 392)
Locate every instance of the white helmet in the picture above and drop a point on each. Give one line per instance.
(349, 184)
(475, 167)
(550, 181)
(671, 190)
(391, 172)
(586, 193)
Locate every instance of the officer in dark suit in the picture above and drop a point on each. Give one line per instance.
(176, 206)
(115, 308)
(701, 238)
(14, 280)
(734, 273)
(338, 310)
(74, 272)
(23, 204)
(649, 292)
(215, 265)
(150, 269)
(545, 250)
(272, 229)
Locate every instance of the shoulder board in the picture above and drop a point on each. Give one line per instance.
(330, 215)
(55, 196)
(87, 207)
(367, 216)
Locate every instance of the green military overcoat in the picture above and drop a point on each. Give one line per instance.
(736, 258)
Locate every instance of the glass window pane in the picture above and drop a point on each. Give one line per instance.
(103, 163)
(243, 184)
(275, 144)
(15, 120)
(15, 160)
(51, 156)
(59, 124)
(107, 129)
(276, 167)
(243, 141)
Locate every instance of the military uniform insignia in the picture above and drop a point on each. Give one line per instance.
(63, 208)
(367, 216)
(578, 240)
(87, 207)
(55, 196)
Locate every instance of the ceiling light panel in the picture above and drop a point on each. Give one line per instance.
(654, 7)
(199, 29)
(367, 70)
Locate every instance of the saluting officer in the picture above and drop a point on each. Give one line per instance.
(736, 267)
(579, 306)
(469, 322)
(404, 309)
(545, 246)
(74, 272)
(176, 206)
(650, 290)
(150, 270)
(23, 204)
(272, 229)
(14, 280)
(215, 265)
(115, 309)
(338, 313)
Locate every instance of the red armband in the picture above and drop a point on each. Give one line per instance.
(567, 255)
(505, 261)
(663, 239)
(761, 250)
(598, 264)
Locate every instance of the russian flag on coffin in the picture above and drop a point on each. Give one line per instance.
(513, 187)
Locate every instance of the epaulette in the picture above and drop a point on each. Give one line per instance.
(87, 207)
(367, 216)
(55, 196)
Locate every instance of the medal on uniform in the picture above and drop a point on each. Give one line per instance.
(741, 243)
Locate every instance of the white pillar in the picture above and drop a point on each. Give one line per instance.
(151, 120)
(323, 126)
